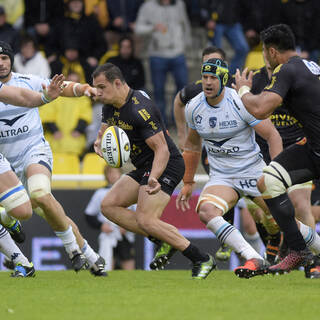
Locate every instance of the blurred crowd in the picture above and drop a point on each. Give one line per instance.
(73, 37)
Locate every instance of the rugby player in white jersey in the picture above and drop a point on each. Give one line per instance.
(218, 116)
(22, 143)
(14, 200)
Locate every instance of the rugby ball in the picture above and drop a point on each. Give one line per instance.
(115, 147)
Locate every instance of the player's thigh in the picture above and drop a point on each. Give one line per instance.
(151, 205)
(123, 193)
(300, 195)
(303, 168)
(8, 180)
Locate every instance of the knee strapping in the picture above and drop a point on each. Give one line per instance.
(13, 197)
(215, 200)
(39, 185)
(276, 180)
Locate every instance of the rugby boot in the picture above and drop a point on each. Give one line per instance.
(224, 253)
(78, 261)
(97, 269)
(16, 232)
(21, 271)
(292, 261)
(201, 269)
(252, 267)
(312, 270)
(162, 256)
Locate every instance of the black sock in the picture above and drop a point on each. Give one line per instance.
(263, 233)
(155, 240)
(194, 254)
(229, 216)
(283, 212)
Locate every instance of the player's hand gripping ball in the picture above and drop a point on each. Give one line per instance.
(115, 147)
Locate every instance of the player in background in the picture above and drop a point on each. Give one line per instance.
(295, 83)
(114, 242)
(159, 167)
(23, 144)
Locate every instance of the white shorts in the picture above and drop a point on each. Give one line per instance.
(38, 154)
(245, 185)
(4, 164)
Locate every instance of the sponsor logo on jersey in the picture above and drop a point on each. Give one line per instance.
(144, 114)
(228, 124)
(13, 132)
(11, 122)
(218, 143)
(212, 122)
(153, 125)
(135, 100)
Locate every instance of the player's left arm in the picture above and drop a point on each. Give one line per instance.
(261, 106)
(267, 131)
(76, 89)
(158, 144)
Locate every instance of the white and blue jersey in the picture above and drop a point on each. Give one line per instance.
(227, 133)
(229, 138)
(21, 134)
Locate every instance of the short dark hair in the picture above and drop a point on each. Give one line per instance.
(110, 71)
(280, 36)
(213, 49)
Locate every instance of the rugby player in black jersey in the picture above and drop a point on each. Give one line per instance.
(294, 82)
(159, 166)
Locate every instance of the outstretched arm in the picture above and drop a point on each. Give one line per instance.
(28, 98)
(260, 106)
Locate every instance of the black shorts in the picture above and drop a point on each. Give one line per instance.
(301, 163)
(169, 179)
(124, 250)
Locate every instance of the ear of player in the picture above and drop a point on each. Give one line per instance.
(115, 147)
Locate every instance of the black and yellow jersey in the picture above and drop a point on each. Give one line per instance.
(140, 119)
(288, 127)
(298, 83)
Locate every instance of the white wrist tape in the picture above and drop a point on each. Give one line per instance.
(243, 90)
(74, 89)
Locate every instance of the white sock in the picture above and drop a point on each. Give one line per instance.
(69, 240)
(88, 252)
(229, 235)
(254, 241)
(311, 237)
(11, 250)
(6, 219)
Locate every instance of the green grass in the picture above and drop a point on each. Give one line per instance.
(171, 295)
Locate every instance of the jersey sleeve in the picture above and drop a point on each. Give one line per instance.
(190, 91)
(188, 113)
(281, 80)
(244, 114)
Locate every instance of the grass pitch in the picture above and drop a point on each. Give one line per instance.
(133, 295)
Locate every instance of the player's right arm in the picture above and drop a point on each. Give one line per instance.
(179, 116)
(97, 143)
(191, 156)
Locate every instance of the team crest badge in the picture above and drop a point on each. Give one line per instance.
(212, 122)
